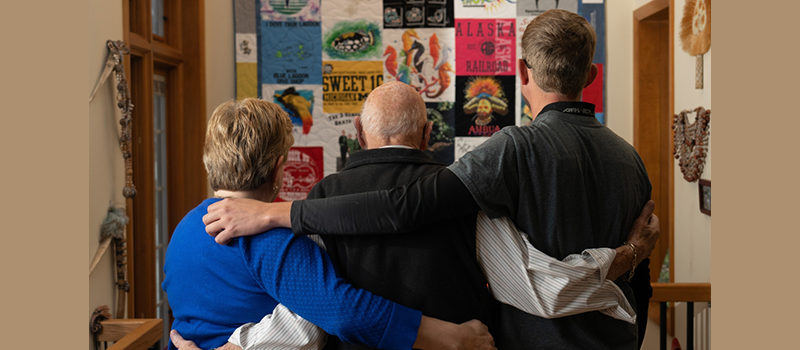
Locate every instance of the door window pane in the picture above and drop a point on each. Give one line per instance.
(157, 9)
(160, 176)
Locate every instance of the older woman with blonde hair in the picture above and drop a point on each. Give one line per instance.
(213, 289)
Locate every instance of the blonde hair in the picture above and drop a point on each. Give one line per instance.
(558, 46)
(244, 139)
(394, 109)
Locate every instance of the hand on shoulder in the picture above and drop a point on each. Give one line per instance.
(237, 217)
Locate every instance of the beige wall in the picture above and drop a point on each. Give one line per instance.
(106, 168)
(220, 63)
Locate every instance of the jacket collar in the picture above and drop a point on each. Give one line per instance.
(387, 155)
(570, 107)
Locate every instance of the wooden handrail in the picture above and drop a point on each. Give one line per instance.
(686, 292)
(131, 334)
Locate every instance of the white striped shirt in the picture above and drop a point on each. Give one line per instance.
(518, 274)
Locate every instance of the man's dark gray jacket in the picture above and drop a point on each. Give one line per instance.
(433, 270)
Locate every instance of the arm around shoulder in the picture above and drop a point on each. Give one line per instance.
(238, 217)
(435, 197)
(300, 275)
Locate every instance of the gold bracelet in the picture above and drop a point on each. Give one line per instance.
(630, 276)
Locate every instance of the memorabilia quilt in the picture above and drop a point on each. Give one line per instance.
(319, 59)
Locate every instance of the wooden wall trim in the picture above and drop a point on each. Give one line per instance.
(175, 140)
(182, 55)
(136, 41)
(652, 122)
(144, 235)
(651, 115)
(671, 140)
(194, 50)
(166, 53)
(650, 8)
(126, 29)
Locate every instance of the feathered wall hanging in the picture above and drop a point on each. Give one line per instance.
(696, 34)
(113, 229)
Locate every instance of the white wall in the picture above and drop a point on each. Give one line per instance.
(638, 3)
(619, 68)
(692, 228)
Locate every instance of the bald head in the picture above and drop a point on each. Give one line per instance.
(393, 114)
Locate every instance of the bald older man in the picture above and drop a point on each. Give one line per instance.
(433, 269)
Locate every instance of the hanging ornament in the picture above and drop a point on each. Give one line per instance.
(115, 63)
(691, 142)
(696, 34)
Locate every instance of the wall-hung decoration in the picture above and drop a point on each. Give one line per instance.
(114, 224)
(696, 34)
(319, 60)
(705, 196)
(117, 51)
(691, 142)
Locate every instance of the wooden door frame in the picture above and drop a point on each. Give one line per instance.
(182, 53)
(649, 20)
